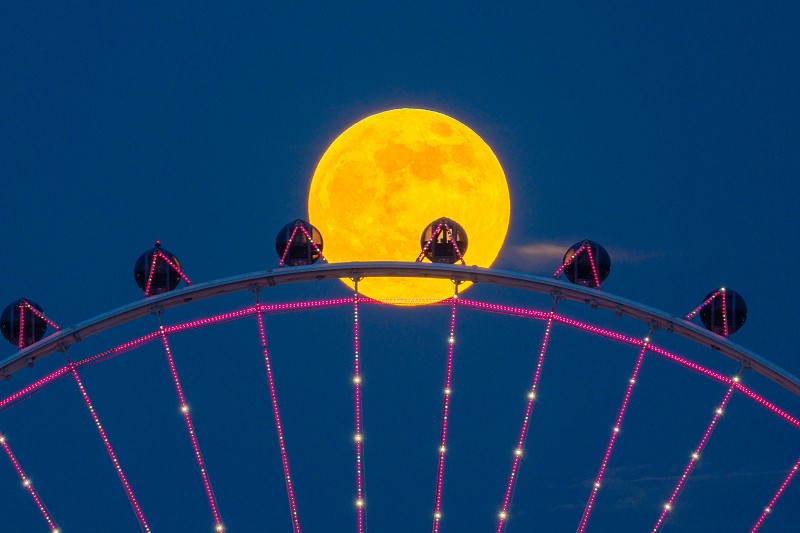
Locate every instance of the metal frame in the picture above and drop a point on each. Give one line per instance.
(269, 278)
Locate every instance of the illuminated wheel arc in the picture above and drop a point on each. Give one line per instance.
(259, 280)
(269, 278)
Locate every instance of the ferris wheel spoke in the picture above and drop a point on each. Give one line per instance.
(437, 507)
(512, 480)
(599, 479)
(192, 435)
(28, 484)
(128, 490)
(284, 457)
(667, 511)
(768, 508)
(29, 320)
(51, 378)
(360, 502)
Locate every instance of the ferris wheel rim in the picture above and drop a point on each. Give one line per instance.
(653, 317)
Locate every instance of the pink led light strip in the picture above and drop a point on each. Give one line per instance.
(691, 366)
(175, 268)
(288, 244)
(541, 315)
(512, 480)
(21, 326)
(437, 508)
(122, 348)
(702, 305)
(33, 388)
(316, 248)
(594, 269)
(40, 315)
(51, 378)
(768, 508)
(504, 309)
(284, 458)
(29, 485)
(206, 322)
(516, 311)
(108, 354)
(150, 275)
(568, 261)
(724, 316)
(587, 511)
(428, 244)
(359, 444)
(405, 301)
(768, 405)
(455, 244)
(599, 331)
(693, 461)
(188, 419)
(279, 308)
(131, 498)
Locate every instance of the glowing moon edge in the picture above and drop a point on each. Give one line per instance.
(388, 176)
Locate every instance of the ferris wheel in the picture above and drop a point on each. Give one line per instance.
(489, 418)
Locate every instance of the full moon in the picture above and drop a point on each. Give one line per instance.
(383, 180)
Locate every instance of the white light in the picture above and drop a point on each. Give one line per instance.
(647, 339)
(518, 451)
(357, 380)
(2, 439)
(597, 485)
(695, 456)
(722, 289)
(447, 391)
(532, 395)
(442, 449)
(185, 408)
(736, 379)
(360, 503)
(616, 429)
(438, 516)
(358, 437)
(451, 340)
(768, 509)
(503, 515)
(633, 381)
(719, 411)
(667, 507)
(27, 482)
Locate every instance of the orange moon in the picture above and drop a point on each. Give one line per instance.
(391, 174)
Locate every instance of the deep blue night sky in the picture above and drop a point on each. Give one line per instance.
(670, 134)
